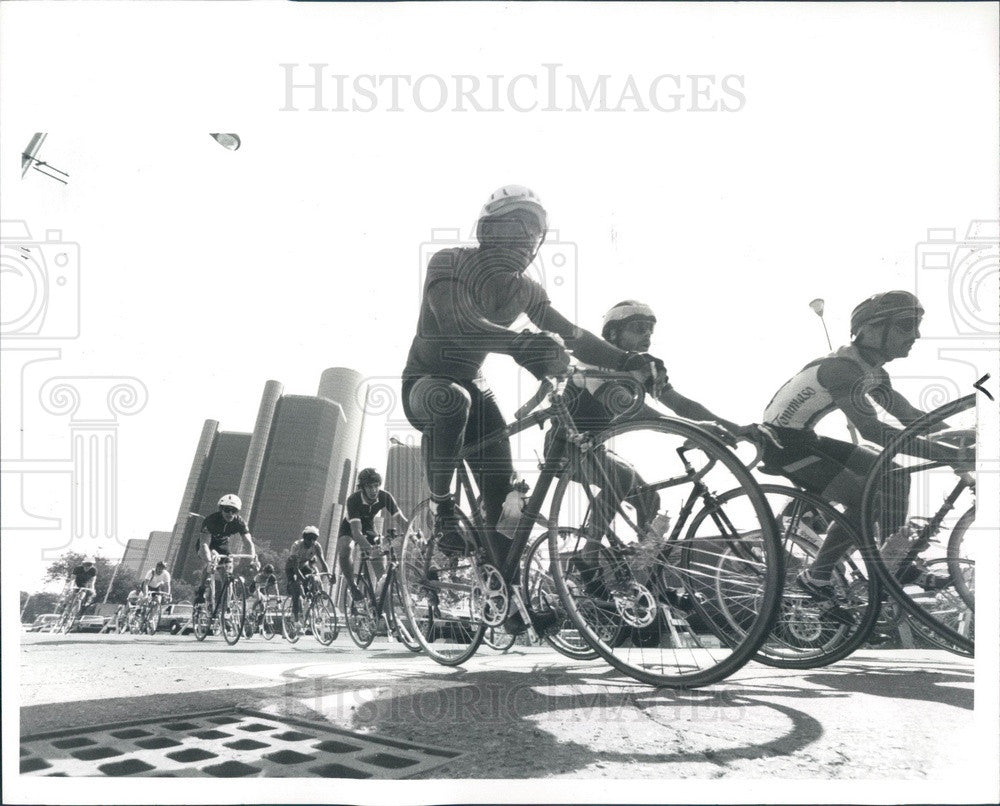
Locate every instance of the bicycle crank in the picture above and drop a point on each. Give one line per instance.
(490, 597)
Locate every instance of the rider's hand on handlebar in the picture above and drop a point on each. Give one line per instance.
(717, 431)
(542, 354)
(649, 369)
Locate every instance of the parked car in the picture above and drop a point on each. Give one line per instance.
(92, 623)
(43, 622)
(176, 618)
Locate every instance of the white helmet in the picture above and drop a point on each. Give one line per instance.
(230, 500)
(87, 559)
(310, 530)
(514, 197)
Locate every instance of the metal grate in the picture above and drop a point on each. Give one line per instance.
(225, 744)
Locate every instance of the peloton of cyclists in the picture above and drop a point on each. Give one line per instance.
(884, 328)
(358, 525)
(470, 298)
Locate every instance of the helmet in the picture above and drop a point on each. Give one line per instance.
(624, 312)
(230, 500)
(884, 306)
(161, 564)
(369, 476)
(514, 197)
(87, 559)
(268, 569)
(311, 531)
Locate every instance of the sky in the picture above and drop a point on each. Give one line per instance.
(205, 272)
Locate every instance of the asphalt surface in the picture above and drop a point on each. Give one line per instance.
(530, 713)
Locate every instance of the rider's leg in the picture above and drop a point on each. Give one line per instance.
(439, 408)
(294, 587)
(343, 551)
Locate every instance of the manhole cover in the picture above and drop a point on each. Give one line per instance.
(232, 743)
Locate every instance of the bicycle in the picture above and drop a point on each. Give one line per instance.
(364, 611)
(320, 614)
(637, 628)
(229, 607)
(265, 614)
(73, 603)
(145, 616)
(918, 542)
(123, 617)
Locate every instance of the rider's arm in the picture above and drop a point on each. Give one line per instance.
(585, 345)
(845, 382)
(169, 589)
(693, 410)
(249, 538)
(318, 554)
(356, 535)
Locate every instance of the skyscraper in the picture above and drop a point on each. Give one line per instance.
(346, 388)
(134, 556)
(299, 481)
(404, 475)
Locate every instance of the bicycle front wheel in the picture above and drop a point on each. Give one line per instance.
(153, 618)
(323, 619)
(402, 626)
(361, 613)
(634, 572)
(438, 591)
(231, 612)
(200, 621)
(291, 629)
(902, 532)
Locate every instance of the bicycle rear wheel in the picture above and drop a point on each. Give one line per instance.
(806, 633)
(201, 621)
(438, 591)
(662, 642)
(905, 462)
(121, 620)
(961, 559)
(361, 624)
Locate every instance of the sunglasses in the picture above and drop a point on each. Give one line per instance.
(229, 510)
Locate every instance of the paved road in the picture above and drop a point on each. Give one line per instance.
(530, 713)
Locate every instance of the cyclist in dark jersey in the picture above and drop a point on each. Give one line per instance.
(220, 526)
(358, 526)
(883, 328)
(471, 296)
(84, 577)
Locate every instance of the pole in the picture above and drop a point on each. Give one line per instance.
(111, 584)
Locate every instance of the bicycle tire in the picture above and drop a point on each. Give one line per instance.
(498, 639)
(401, 626)
(427, 597)
(152, 618)
(121, 620)
(231, 613)
(323, 619)
(291, 629)
(955, 555)
(360, 613)
(70, 614)
(271, 622)
(201, 621)
(904, 443)
(691, 659)
(537, 583)
(802, 637)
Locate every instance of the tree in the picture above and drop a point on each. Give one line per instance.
(38, 603)
(124, 580)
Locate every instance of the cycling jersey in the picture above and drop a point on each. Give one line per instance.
(482, 285)
(84, 577)
(803, 401)
(591, 399)
(358, 507)
(300, 553)
(220, 530)
(158, 580)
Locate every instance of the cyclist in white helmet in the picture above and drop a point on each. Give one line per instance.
(471, 296)
(219, 526)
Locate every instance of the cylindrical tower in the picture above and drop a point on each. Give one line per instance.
(258, 445)
(192, 491)
(345, 387)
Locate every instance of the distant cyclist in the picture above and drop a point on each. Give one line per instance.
(851, 379)
(83, 577)
(157, 580)
(220, 526)
(471, 296)
(358, 525)
(303, 558)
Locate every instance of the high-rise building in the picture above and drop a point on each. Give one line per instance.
(215, 471)
(134, 556)
(344, 387)
(300, 480)
(404, 475)
(258, 445)
(156, 549)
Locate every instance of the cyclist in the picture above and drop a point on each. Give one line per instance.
(264, 579)
(358, 526)
(84, 578)
(219, 526)
(157, 580)
(471, 297)
(884, 328)
(302, 560)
